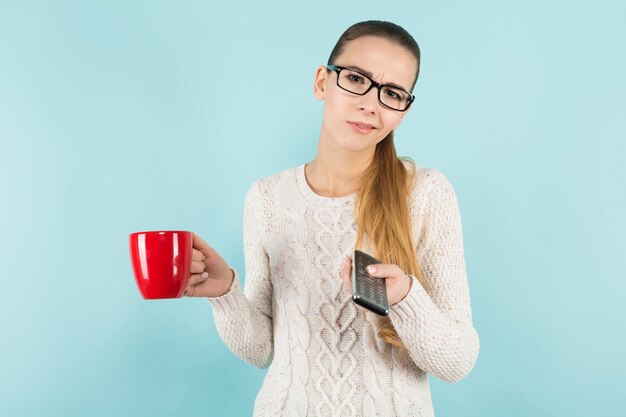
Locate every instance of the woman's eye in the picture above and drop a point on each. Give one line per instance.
(393, 95)
(355, 78)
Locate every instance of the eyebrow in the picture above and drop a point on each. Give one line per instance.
(369, 74)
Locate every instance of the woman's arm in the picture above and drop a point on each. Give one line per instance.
(435, 324)
(244, 318)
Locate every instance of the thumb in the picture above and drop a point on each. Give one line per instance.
(213, 260)
(202, 246)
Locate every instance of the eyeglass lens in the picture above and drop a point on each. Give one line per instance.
(358, 84)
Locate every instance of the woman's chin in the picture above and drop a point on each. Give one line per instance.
(357, 144)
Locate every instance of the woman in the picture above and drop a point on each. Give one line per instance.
(328, 357)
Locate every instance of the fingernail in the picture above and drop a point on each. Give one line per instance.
(345, 260)
(205, 275)
(371, 269)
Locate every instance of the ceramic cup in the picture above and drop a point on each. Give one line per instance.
(161, 262)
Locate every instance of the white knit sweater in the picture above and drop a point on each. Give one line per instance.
(295, 316)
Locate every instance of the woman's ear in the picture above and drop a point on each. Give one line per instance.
(319, 85)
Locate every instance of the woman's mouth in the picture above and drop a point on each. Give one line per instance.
(361, 127)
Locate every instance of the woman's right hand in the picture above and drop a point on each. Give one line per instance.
(210, 274)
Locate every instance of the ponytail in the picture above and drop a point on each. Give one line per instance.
(382, 213)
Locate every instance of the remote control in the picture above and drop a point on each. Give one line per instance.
(367, 291)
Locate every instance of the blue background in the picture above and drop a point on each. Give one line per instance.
(119, 116)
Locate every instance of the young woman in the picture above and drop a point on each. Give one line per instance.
(326, 356)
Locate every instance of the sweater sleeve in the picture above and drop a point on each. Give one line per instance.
(244, 318)
(435, 324)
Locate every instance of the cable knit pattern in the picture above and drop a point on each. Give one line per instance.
(294, 315)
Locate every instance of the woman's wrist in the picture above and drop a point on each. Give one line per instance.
(410, 277)
(229, 281)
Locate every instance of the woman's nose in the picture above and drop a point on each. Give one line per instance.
(369, 101)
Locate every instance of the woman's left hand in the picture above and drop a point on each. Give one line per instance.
(398, 283)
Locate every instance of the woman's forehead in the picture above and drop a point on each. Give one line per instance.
(386, 61)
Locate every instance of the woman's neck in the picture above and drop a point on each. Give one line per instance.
(338, 173)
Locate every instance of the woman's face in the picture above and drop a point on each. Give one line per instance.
(345, 113)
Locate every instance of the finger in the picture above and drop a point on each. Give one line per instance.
(189, 291)
(203, 247)
(385, 271)
(197, 255)
(346, 269)
(197, 267)
(196, 279)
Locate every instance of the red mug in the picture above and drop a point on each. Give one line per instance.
(161, 262)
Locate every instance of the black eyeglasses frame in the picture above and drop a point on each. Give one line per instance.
(379, 86)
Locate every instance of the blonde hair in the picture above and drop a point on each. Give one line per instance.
(380, 208)
(382, 213)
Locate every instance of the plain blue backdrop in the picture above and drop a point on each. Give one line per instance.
(120, 116)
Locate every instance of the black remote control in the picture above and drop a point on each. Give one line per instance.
(367, 291)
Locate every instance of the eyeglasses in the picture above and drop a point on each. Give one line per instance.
(390, 96)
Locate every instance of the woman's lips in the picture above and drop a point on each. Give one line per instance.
(361, 127)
